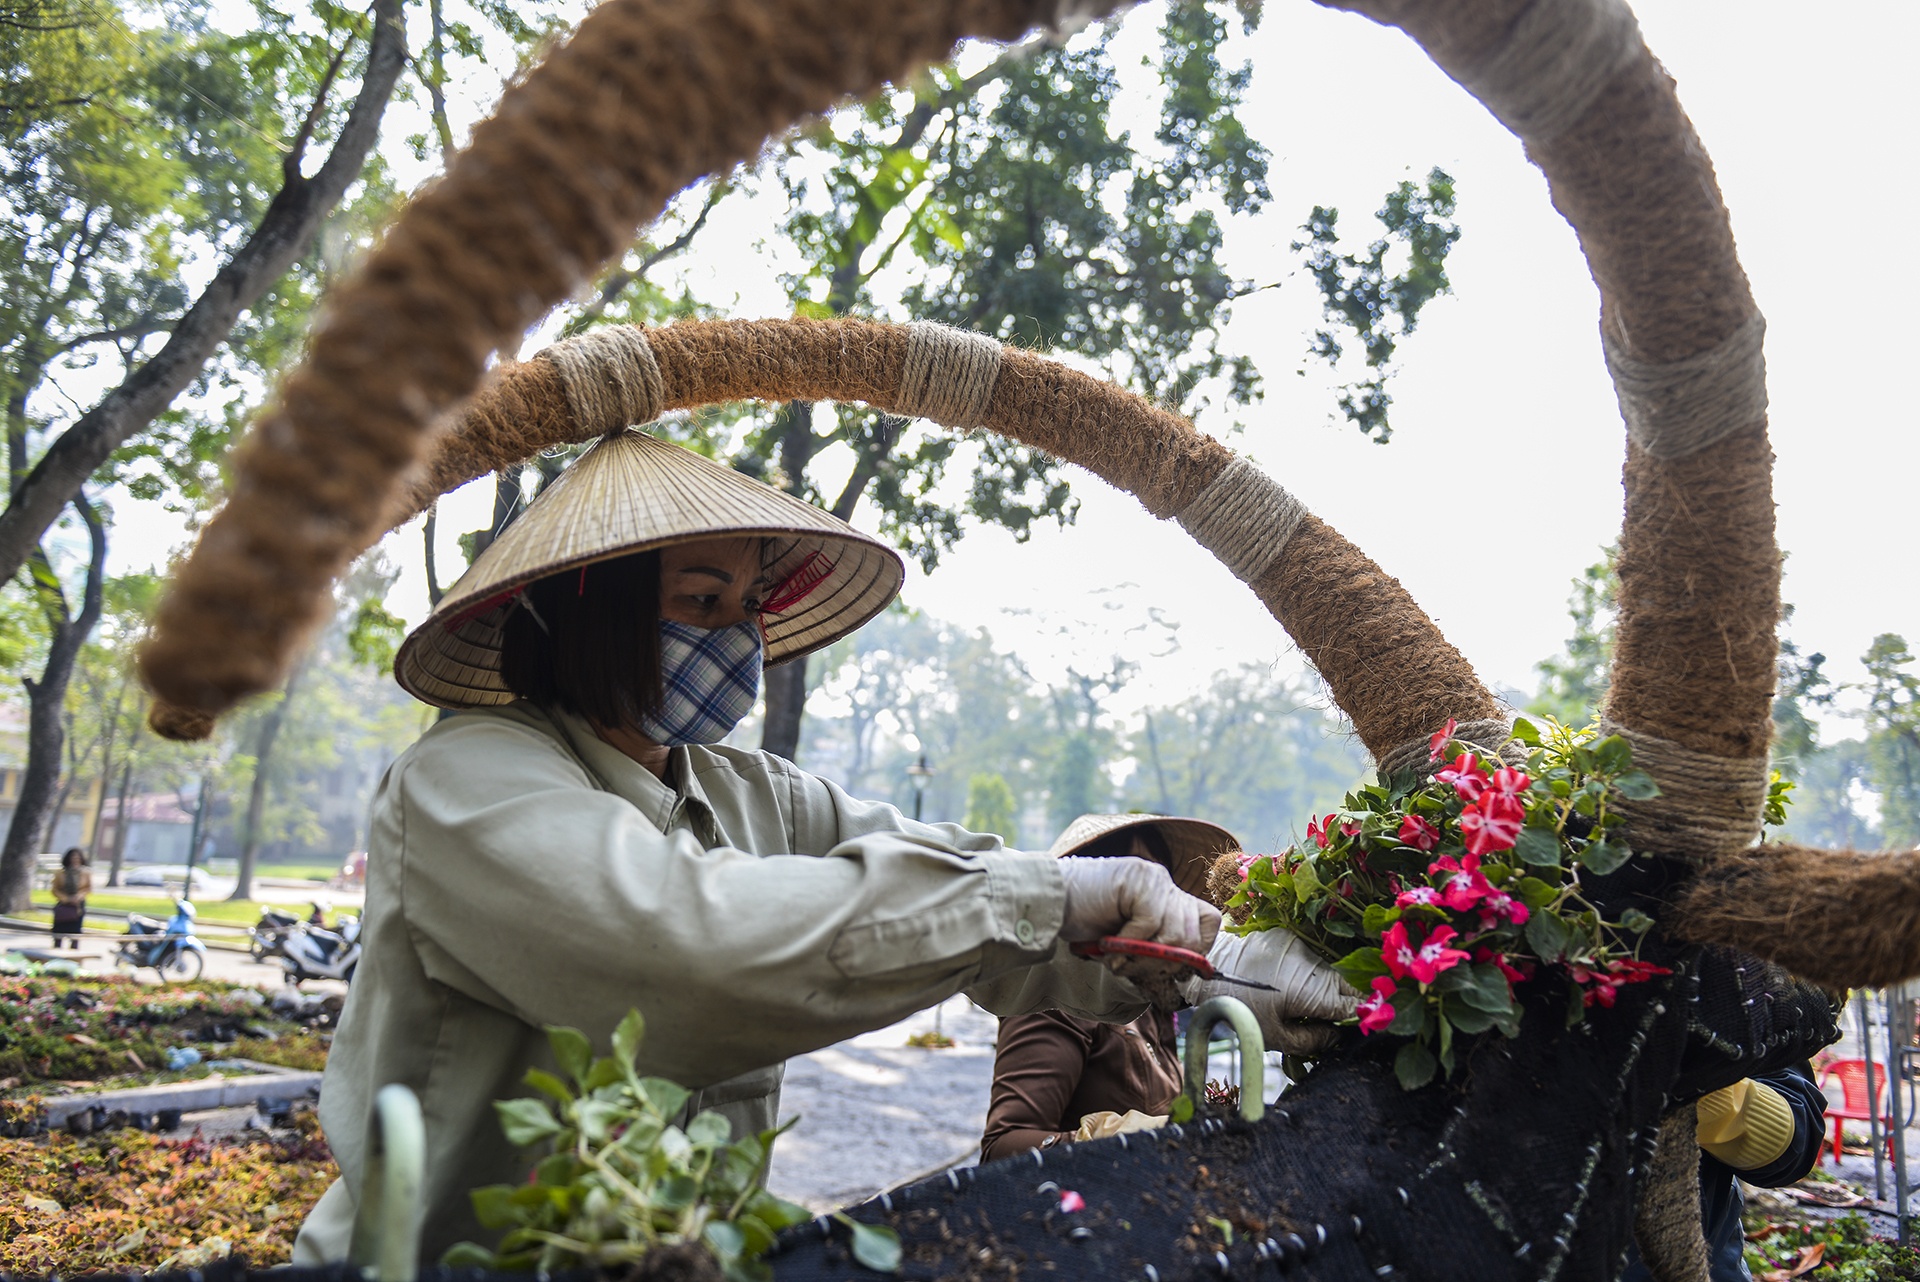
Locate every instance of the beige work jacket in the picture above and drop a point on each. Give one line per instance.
(522, 873)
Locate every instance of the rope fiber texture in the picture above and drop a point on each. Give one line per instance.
(948, 375)
(1553, 65)
(1708, 806)
(610, 378)
(1488, 734)
(1666, 1225)
(1245, 518)
(1681, 407)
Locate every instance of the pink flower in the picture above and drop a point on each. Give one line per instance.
(1496, 904)
(1626, 970)
(1398, 950)
(1423, 896)
(1434, 956)
(1510, 781)
(1463, 886)
(1319, 830)
(1376, 1012)
(1467, 776)
(1492, 823)
(1418, 833)
(1438, 743)
(1071, 1201)
(1348, 829)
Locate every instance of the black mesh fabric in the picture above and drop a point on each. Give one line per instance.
(1524, 1166)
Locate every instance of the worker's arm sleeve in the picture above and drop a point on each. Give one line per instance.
(528, 888)
(1792, 1102)
(1037, 1063)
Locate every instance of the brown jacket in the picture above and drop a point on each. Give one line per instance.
(1050, 1069)
(72, 885)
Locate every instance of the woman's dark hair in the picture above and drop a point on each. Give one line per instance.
(1120, 842)
(601, 660)
(74, 854)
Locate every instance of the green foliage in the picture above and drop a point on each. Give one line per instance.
(1377, 305)
(1843, 1249)
(1573, 684)
(374, 635)
(622, 1179)
(1437, 897)
(1892, 717)
(991, 805)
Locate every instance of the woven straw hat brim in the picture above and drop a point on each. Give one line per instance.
(630, 493)
(1194, 843)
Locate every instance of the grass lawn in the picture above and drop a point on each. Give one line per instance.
(244, 913)
(309, 872)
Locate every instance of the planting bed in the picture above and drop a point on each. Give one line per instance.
(109, 1032)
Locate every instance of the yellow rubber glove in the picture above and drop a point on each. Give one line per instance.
(1097, 1126)
(1746, 1125)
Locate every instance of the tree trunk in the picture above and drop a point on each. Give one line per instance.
(786, 702)
(283, 235)
(257, 794)
(46, 735)
(120, 823)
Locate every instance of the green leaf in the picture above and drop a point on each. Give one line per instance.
(1360, 966)
(1379, 917)
(598, 1118)
(709, 1127)
(1410, 1019)
(1603, 857)
(1636, 785)
(572, 1051)
(1306, 882)
(1181, 1109)
(1340, 926)
(1546, 936)
(1466, 1018)
(604, 1073)
(1535, 893)
(1539, 847)
(626, 1038)
(1485, 988)
(1524, 731)
(493, 1207)
(468, 1255)
(1612, 755)
(1414, 1066)
(549, 1085)
(526, 1121)
(777, 1211)
(875, 1246)
(1635, 921)
(667, 1097)
(726, 1240)
(555, 1168)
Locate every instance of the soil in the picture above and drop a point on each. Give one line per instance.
(680, 1262)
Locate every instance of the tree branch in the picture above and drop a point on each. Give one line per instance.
(283, 235)
(290, 166)
(618, 283)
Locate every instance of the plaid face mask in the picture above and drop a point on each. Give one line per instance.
(708, 679)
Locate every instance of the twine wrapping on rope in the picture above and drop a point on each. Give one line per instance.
(948, 374)
(1415, 754)
(1677, 408)
(1557, 58)
(1666, 1224)
(1708, 806)
(610, 378)
(1244, 517)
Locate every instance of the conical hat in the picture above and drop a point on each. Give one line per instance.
(632, 492)
(1195, 843)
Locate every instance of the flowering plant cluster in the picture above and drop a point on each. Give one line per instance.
(1435, 898)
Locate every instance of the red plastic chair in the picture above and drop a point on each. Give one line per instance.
(1852, 1074)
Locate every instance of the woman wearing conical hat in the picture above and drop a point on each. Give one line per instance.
(574, 845)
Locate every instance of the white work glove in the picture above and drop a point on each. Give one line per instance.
(1135, 898)
(1296, 1020)
(1097, 1126)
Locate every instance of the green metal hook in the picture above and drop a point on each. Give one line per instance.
(1232, 1012)
(386, 1228)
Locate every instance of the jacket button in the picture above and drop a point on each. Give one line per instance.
(1023, 931)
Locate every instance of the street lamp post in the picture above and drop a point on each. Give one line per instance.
(918, 773)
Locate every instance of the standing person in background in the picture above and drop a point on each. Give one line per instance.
(71, 886)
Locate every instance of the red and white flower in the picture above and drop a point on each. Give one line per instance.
(1468, 777)
(1376, 1011)
(1437, 744)
(1492, 823)
(1419, 833)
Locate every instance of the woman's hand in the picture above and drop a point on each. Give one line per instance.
(1135, 898)
(1297, 1019)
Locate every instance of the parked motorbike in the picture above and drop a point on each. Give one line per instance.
(308, 952)
(170, 947)
(264, 936)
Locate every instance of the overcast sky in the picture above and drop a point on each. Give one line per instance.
(1507, 431)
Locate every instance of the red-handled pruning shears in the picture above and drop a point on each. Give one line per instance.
(1148, 950)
